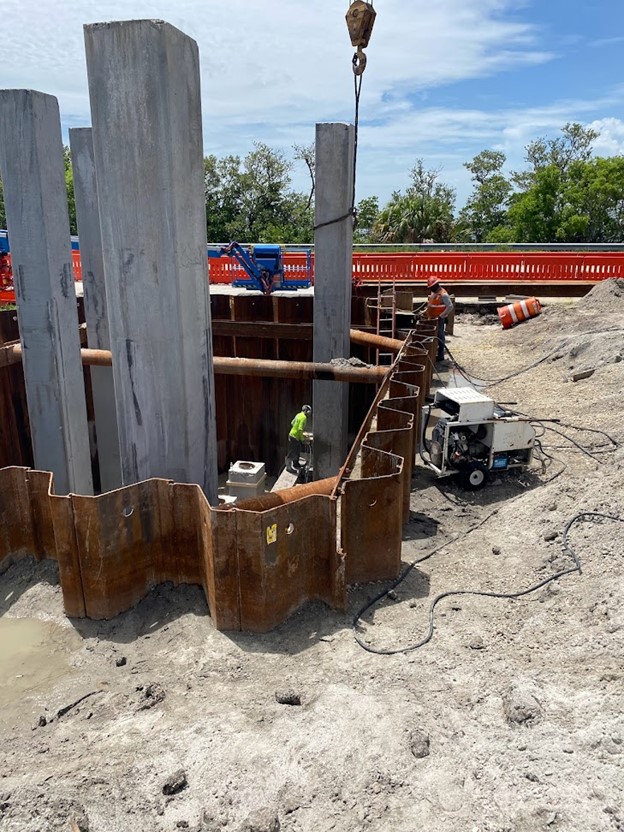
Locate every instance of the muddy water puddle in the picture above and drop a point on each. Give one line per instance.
(34, 655)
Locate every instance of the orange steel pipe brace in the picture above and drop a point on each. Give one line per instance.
(370, 339)
(12, 354)
(298, 369)
(286, 495)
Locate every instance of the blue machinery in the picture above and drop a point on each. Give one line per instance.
(264, 267)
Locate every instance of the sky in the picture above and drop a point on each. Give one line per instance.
(445, 78)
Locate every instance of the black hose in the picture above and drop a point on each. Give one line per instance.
(424, 443)
(576, 568)
(495, 381)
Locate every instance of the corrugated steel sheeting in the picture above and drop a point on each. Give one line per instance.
(256, 568)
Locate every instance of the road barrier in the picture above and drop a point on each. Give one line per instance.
(417, 267)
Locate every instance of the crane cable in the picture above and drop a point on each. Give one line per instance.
(358, 63)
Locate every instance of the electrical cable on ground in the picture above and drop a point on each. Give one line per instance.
(587, 450)
(576, 568)
(493, 382)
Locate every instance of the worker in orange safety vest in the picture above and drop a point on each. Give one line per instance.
(439, 306)
(6, 275)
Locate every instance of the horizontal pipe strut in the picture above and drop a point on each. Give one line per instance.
(299, 370)
(370, 339)
(12, 354)
(299, 332)
(287, 495)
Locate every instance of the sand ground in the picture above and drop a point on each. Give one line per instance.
(510, 719)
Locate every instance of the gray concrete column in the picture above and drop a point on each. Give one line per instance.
(33, 174)
(333, 252)
(96, 316)
(147, 138)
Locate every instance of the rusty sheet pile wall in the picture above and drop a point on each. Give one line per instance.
(256, 567)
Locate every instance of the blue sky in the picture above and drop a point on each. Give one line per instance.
(445, 78)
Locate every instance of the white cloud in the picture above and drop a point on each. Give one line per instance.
(446, 138)
(611, 139)
(271, 69)
(606, 42)
(275, 62)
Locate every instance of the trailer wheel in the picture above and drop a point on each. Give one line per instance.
(474, 476)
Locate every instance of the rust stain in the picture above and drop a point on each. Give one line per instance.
(256, 566)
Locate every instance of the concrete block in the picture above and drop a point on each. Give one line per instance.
(96, 315)
(332, 290)
(33, 174)
(247, 472)
(144, 89)
(246, 490)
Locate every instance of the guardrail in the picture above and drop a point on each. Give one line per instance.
(417, 267)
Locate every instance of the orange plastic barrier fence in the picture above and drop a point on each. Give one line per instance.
(416, 267)
(485, 266)
(225, 270)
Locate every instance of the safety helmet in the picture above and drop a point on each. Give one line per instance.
(306, 409)
(432, 281)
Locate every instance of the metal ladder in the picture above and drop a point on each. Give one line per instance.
(386, 320)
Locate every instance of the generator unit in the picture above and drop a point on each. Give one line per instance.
(473, 436)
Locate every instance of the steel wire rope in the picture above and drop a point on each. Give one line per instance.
(576, 568)
(357, 83)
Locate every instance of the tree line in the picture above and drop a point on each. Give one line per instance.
(564, 194)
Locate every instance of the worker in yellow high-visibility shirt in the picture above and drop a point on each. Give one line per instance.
(295, 439)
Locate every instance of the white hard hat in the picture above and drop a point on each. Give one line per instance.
(307, 409)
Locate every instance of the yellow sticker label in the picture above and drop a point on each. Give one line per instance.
(271, 533)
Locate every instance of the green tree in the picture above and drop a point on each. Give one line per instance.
(574, 145)
(594, 201)
(367, 216)
(535, 215)
(486, 208)
(265, 182)
(223, 193)
(584, 204)
(563, 195)
(424, 212)
(69, 185)
(251, 200)
(307, 155)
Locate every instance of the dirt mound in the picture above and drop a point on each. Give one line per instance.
(604, 296)
(508, 718)
(587, 351)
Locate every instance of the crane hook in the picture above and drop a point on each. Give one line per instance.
(360, 21)
(359, 62)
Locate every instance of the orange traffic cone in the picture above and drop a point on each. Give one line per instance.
(516, 313)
